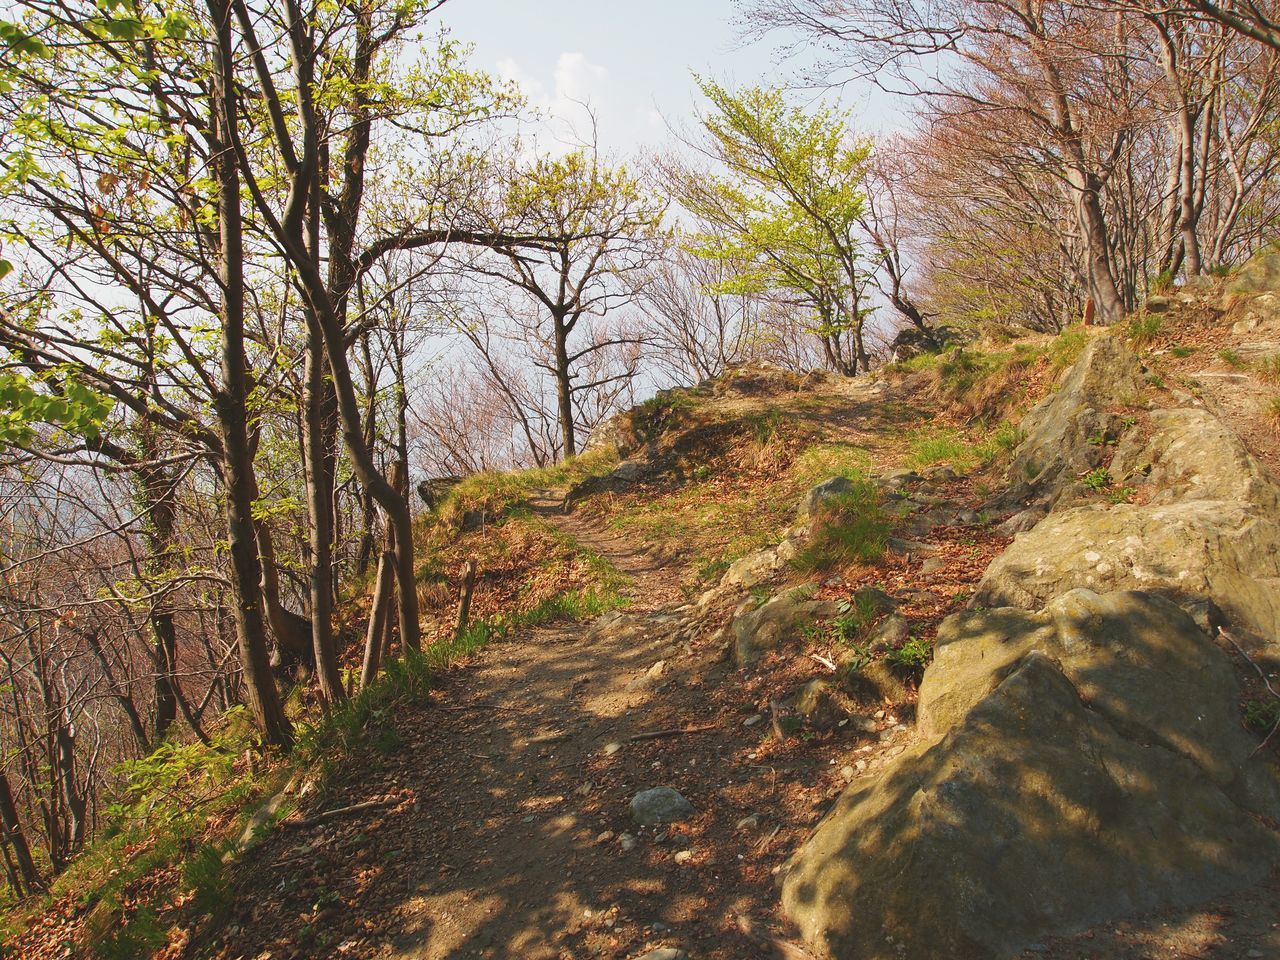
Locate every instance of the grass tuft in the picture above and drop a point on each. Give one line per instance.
(850, 528)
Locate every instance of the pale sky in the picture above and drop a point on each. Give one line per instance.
(630, 61)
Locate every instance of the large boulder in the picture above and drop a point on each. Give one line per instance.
(1210, 528)
(754, 631)
(1076, 766)
(1064, 434)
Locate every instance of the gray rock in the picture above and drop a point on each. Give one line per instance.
(820, 703)
(1058, 430)
(1158, 304)
(892, 631)
(932, 565)
(659, 805)
(664, 953)
(1210, 529)
(754, 631)
(876, 684)
(827, 490)
(1056, 785)
(753, 569)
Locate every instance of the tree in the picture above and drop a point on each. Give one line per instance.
(783, 204)
(598, 228)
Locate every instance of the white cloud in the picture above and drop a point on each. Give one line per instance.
(569, 98)
(577, 78)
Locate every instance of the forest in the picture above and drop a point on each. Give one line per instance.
(279, 279)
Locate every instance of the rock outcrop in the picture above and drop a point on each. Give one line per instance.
(1078, 765)
(1064, 435)
(1210, 528)
(753, 631)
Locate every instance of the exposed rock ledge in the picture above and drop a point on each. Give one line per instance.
(1078, 765)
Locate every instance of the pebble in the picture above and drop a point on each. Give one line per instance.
(605, 837)
(684, 856)
(860, 763)
(664, 953)
(751, 822)
(753, 720)
(611, 748)
(847, 771)
(627, 841)
(1255, 953)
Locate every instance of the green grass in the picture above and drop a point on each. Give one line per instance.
(1261, 716)
(1269, 368)
(1065, 349)
(1232, 358)
(1143, 328)
(912, 657)
(1098, 479)
(497, 492)
(823, 461)
(930, 447)
(1271, 410)
(850, 528)
(1182, 352)
(999, 444)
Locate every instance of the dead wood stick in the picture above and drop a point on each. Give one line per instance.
(464, 597)
(1266, 682)
(672, 732)
(775, 711)
(340, 812)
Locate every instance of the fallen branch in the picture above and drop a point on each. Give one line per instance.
(830, 665)
(673, 732)
(340, 812)
(1266, 682)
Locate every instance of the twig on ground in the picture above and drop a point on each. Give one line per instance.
(673, 732)
(1266, 682)
(340, 812)
(824, 661)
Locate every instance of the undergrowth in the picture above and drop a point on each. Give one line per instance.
(852, 527)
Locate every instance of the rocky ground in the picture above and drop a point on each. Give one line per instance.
(747, 764)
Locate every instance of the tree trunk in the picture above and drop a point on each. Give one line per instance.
(15, 839)
(564, 390)
(232, 407)
(379, 614)
(319, 484)
(1102, 285)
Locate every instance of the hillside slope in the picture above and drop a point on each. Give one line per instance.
(961, 658)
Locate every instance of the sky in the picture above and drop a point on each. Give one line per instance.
(632, 62)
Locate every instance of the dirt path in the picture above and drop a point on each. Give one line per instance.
(507, 832)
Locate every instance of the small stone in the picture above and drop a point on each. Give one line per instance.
(753, 720)
(860, 764)
(627, 841)
(751, 822)
(1255, 953)
(611, 748)
(847, 771)
(659, 805)
(664, 953)
(684, 856)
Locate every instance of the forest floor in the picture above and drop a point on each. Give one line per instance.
(506, 833)
(510, 834)
(491, 819)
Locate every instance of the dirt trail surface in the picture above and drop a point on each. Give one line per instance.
(507, 831)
